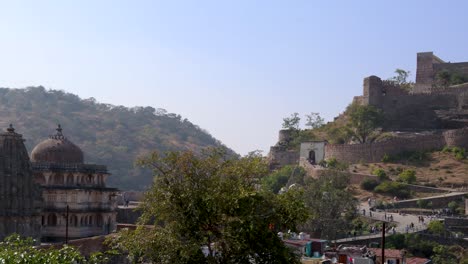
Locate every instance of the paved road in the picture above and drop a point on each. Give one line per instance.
(401, 221)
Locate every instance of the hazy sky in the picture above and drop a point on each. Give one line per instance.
(235, 68)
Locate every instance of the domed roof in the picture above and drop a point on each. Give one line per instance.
(57, 149)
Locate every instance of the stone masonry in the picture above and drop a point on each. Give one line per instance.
(20, 198)
(432, 116)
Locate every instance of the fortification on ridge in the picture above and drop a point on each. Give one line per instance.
(432, 115)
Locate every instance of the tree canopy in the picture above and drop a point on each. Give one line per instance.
(401, 78)
(292, 122)
(331, 206)
(364, 121)
(15, 249)
(314, 120)
(206, 208)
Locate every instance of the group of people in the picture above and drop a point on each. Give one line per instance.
(388, 217)
(421, 219)
(409, 227)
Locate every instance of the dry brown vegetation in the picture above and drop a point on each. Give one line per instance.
(439, 169)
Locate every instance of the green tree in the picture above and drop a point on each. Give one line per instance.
(401, 78)
(210, 201)
(286, 176)
(369, 184)
(313, 120)
(407, 176)
(292, 122)
(15, 249)
(453, 206)
(442, 255)
(436, 227)
(332, 207)
(364, 121)
(422, 203)
(393, 188)
(381, 174)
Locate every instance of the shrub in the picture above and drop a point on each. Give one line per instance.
(460, 156)
(386, 158)
(422, 203)
(453, 206)
(380, 173)
(447, 149)
(369, 184)
(458, 153)
(333, 163)
(283, 177)
(407, 176)
(393, 188)
(436, 227)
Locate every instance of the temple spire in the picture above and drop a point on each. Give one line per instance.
(11, 129)
(59, 130)
(59, 134)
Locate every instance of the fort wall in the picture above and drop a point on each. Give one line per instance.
(425, 62)
(374, 152)
(459, 67)
(456, 138)
(279, 156)
(425, 108)
(436, 109)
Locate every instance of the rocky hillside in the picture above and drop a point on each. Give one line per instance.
(111, 135)
(436, 168)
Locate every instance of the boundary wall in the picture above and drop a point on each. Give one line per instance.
(374, 152)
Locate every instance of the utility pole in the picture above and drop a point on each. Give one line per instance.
(66, 226)
(383, 242)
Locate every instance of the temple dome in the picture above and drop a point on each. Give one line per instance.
(57, 149)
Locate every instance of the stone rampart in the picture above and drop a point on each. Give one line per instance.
(374, 152)
(456, 138)
(458, 67)
(280, 156)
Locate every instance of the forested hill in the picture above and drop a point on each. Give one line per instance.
(110, 135)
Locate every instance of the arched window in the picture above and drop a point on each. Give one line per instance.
(52, 220)
(99, 220)
(73, 220)
(69, 179)
(58, 179)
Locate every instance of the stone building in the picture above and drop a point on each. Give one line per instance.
(20, 198)
(72, 190)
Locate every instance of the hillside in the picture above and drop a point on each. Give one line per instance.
(436, 169)
(110, 135)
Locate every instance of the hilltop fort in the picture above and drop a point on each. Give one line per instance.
(431, 115)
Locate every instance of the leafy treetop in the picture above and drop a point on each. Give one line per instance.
(210, 201)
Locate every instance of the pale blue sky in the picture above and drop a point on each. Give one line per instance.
(235, 68)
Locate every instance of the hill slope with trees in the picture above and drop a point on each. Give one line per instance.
(110, 135)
